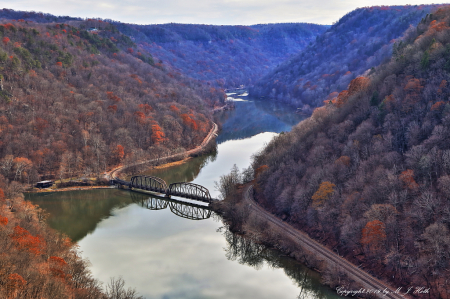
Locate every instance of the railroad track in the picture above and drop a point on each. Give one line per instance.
(212, 133)
(370, 283)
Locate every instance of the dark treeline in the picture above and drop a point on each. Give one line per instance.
(38, 17)
(225, 56)
(76, 102)
(368, 174)
(362, 39)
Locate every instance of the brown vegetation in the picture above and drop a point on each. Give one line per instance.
(75, 103)
(385, 148)
(360, 40)
(37, 262)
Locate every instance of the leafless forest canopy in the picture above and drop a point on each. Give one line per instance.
(368, 173)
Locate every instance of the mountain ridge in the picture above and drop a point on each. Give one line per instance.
(360, 40)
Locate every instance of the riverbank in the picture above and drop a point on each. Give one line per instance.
(207, 144)
(51, 190)
(247, 218)
(170, 161)
(110, 224)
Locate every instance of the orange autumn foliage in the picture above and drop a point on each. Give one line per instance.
(41, 124)
(57, 266)
(157, 134)
(413, 86)
(146, 108)
(323, 193)
(174, 108)
(260, 170)
(139, 115)
(355, 86)
(3, 220)
(389, 101)
(344, 160)
(112, 96)
(9, 26)
(436, 106)
(15, 282)
(23, 240)
(373, 234)
(188, 121)
(438, 27)
(413, 89)
(112, 108)
(5, 40)
(120, 152)
(407, 177)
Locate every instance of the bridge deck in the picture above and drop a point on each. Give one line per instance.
(139, 187)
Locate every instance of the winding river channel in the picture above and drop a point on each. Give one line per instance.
(165, 249)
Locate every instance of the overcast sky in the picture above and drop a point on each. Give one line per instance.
(217, 12)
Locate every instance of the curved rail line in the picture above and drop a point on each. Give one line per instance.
(155, 184)
(369, 282)
(112, 175)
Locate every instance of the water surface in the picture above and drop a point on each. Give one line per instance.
(156, 247)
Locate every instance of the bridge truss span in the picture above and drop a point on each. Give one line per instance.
(158, 185)
(189, 190)
(149, 183)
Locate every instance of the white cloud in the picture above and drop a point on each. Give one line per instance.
(242, 12)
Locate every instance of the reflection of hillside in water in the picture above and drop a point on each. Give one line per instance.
(253, 117)
(182, 209)
(255, 255)
(77, 213)
(185, 172)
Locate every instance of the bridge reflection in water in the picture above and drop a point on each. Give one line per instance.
(180, 208)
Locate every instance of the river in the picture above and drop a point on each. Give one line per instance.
(162, 255)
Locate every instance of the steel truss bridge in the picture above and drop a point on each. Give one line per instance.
(158, 185)
(180, 208)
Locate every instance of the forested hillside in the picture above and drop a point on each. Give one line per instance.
(368, 174)
(75, 101)
(38, 17)
(38, 262)
(224, 56)
(362, 39)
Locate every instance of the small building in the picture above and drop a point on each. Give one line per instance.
(44, 184)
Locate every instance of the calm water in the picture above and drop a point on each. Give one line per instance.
(156, 246)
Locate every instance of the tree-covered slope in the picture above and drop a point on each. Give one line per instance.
(225, 56)
(222, 56)
(368, 174)
(362, 39)
(74, 101)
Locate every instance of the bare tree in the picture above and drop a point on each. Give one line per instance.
(116, 290)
